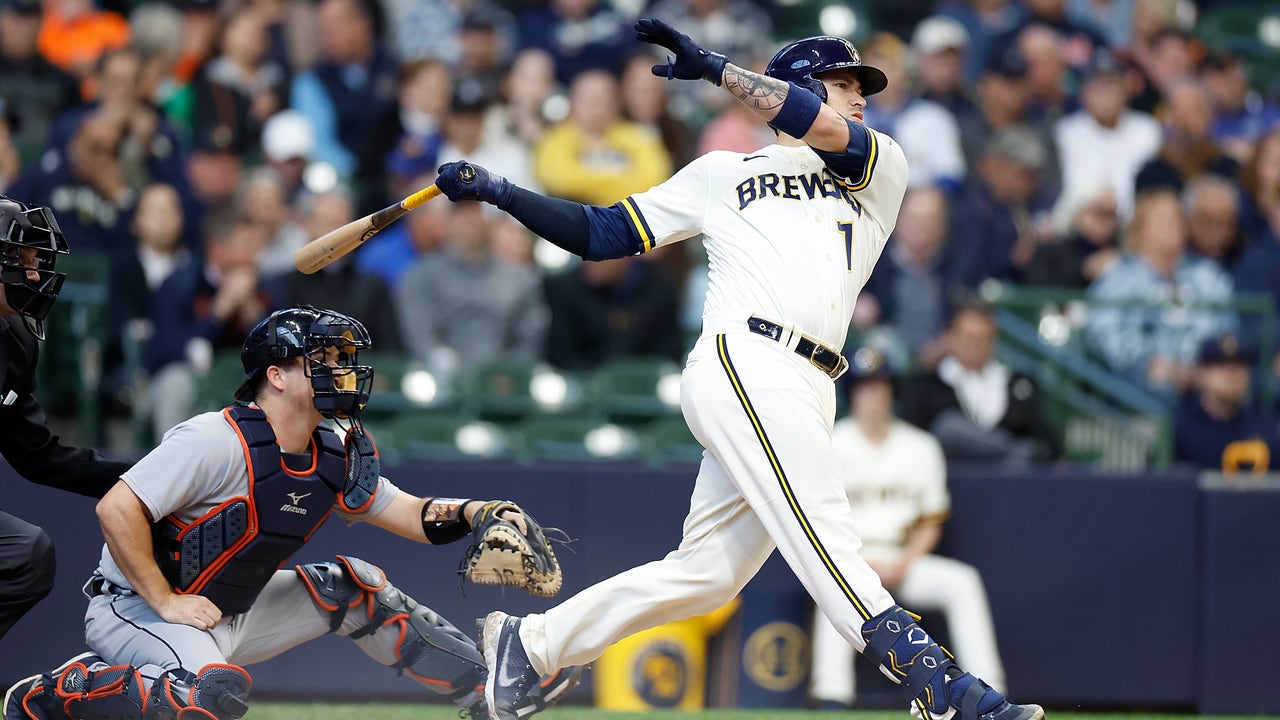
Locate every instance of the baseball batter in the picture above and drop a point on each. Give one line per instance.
(189, 590)
(792, 233)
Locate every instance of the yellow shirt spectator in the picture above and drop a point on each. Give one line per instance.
(594, 156)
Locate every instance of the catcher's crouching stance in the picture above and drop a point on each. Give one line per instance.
(360, 604)
(193, 584)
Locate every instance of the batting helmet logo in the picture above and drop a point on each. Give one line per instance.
(800, 61)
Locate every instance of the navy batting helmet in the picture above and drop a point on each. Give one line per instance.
(800, 61)
(338, 391)
(30, 243)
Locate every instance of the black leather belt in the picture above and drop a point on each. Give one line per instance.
(824, 358)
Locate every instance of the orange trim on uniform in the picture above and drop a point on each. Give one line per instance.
(251, 531)
(315, 458)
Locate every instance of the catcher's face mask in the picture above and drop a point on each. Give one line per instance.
(340, 385)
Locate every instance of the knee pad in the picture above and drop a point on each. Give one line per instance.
(427, 647)
(908, 656)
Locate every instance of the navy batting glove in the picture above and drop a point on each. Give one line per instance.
(460, 180)
(691, 61)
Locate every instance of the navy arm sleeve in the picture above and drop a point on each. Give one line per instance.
(857, 163)
(588, 231)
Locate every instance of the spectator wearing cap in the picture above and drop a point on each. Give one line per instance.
(940, 45)
(1189, 150)
(486, 40)
(464, 138)
(1214, 426)
(895, 477)
(1240, 115)
(926, 131)
(1003, 214)
(1152, 309)
(287, 144)
(86, 186)
(979, 408)
(983, 22)
(1106, 140)
(349, 87)
(1004, 101)
(35, 91)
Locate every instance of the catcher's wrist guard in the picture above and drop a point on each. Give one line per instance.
(443, 520)
(499, 554)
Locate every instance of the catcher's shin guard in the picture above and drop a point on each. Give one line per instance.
(427, 647)
(907, 655)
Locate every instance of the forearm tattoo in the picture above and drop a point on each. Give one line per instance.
(758, 92)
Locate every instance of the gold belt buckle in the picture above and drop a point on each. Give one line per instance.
(833, 371)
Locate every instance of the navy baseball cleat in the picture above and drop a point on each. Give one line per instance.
(511, 675)
(549, 691)
(973, 699)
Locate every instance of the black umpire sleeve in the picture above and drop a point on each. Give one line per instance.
(40, 456)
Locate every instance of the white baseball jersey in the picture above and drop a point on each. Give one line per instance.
(786, 238)
(891, 485)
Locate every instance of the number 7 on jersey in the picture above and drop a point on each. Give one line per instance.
(847, 229)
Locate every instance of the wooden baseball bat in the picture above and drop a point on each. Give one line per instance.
(336, 243)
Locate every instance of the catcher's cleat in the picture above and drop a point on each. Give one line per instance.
(511, 675)
(32, 698)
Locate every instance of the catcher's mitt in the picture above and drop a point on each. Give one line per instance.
(500, 555)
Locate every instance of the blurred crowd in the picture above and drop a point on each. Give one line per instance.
(193, 145)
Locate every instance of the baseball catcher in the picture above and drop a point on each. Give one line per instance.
(511, 551)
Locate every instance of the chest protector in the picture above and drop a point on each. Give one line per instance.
(229, 554)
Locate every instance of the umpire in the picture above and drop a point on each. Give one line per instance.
(30, 243)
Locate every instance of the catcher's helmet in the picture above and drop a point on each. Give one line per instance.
(802, 59)
(339, 391)
(30, 243)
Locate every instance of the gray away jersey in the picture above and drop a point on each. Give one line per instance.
(199, 465)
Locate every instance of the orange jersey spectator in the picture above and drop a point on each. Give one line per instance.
(75, 34)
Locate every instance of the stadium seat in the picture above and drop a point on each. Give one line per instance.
(445, 436)
(511, 391)
(634, 391)
(575, 438)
